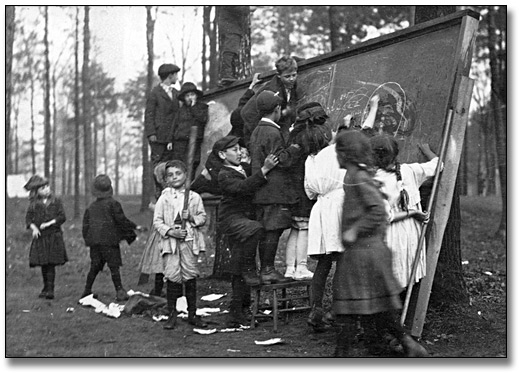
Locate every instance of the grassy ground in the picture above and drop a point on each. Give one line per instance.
(45, 328)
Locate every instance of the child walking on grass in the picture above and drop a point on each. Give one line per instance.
(180, 245)
(45, 216)
(104, 226)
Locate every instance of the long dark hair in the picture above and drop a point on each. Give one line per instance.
(310, 130)
(385, 150)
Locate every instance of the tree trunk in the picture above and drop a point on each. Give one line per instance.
(497, 61)
(53, 136)
(9, 39)
(245, 58)
(86, 110)
(146, 180)
(335, 25)
(204, 58)
(104, 143)
(448, 283)
(77, 119)
(47, 98)
(33, 151)
(213, 57)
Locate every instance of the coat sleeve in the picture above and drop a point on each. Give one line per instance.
(309, 190)
(197, 213)
(158, 221)
(60, 213)
(229, 184)
(150, 114)
(372, 202)
(125, 226)
(29, 216)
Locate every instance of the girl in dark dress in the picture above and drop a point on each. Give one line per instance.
(364, 287)
(44, 217)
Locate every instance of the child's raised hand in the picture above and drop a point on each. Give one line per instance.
(374, 101)
(347, 119)
(255, 80)
(271, 161)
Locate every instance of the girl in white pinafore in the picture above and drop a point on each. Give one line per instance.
(324, 182)
(401, 183)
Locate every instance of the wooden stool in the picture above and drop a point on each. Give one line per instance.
(284, 300)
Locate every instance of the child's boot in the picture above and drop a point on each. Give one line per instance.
(236, 317)
(174, 291)
(190, 293)
(249, 266)
(269, 275)
(121, 295)
(412, 348)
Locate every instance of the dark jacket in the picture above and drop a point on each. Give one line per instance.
(251, 116)
(268, 139)
(160, 114)
(236, 120)
(237, 192)
(104, 223)
(189, 116)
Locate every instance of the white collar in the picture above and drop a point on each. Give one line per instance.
(271, 121)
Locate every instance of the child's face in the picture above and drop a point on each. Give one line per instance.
(175, 177)
(44, 191)
(231, 156)
(289, 77)
(190, 98)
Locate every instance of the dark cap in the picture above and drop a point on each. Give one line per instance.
(267, 101)
(102, 186)
(188, 87)
(225, 143)
(311, 111)
(35, 182)
(167, 68)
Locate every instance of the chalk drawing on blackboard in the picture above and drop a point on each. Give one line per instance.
(396, 113)
(316, 85)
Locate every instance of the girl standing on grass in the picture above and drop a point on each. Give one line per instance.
(44, 217)
(364, 287)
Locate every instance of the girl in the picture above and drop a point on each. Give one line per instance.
(364, 286)
(311, 134)
(45, 216)
(401, 183)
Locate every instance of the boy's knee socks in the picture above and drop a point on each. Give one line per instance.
(116, 277)
(190, 293)
(174, 291)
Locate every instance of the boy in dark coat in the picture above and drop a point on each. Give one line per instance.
(104, 226)
(160, 113)
(284, 83)
(237, 220)
(275, 199)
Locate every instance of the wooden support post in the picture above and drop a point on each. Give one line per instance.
(462, 95)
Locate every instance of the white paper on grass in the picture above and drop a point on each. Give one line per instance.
(272, 341)
(212, 297)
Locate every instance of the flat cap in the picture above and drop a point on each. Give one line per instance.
(168, 68)
(267, 101)
(225, 143)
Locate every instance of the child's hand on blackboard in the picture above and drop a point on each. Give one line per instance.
(374, 101)
(347, 119)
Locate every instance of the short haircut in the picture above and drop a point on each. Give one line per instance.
(177, 164)
(285, 63)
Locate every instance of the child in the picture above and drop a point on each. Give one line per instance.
(193, 112)
(45, 216)
(311, 133)
(284, 83)
(151, 261)
(401, 183)
(363, 283)
(274, 199)
(180, 245)
(236, 220)
(104, 226)
(161, 111)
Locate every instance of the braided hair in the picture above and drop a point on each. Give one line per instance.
(385, 152)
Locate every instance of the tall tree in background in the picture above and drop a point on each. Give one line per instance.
(497, 43)
(9, 40)
(147, 171)
(47, 98)
(86, 108)
(209, 56)
(77, 116)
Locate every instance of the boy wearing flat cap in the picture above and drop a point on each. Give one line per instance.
(274, 199)
(237, 220)
(160, 114)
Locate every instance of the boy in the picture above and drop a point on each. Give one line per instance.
(104, 226)
(236, 219)
(274, 200)
(160, 114)
(285, 84)
(181, 244)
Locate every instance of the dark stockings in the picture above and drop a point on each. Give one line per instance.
(268, 248)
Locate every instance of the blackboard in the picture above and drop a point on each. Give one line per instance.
(422, 71)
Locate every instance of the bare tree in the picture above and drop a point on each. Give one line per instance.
(47, 96)
(86, 112)
(77, 118)
(9, 40)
